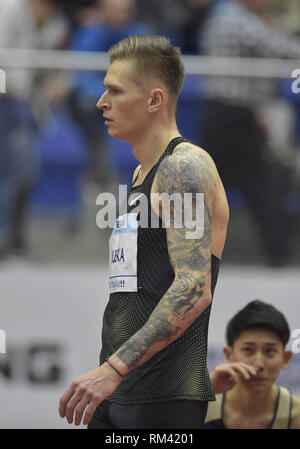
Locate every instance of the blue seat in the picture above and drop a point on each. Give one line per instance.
(64, 160)
(189, 107)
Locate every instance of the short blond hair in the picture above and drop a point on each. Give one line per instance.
(152, 55)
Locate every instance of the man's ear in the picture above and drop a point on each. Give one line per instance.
(156, 99)
(227, 350)
(287, 355)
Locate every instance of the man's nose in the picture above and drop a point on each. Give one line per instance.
(259, 362)
(102, 102)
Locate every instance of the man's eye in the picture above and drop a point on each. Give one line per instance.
(271, 351)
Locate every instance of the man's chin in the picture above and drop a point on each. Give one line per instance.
(111, 132)
(260, 384)
(116, 135)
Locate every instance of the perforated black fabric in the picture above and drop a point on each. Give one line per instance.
(179, 371)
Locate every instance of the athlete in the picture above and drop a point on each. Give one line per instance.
(153, 371)
(248, 396)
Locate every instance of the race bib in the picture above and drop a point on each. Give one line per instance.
(123, 254)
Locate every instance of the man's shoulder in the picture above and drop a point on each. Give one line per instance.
(194, 155)
(214, 410)
(295, 424)
(189, 167)
(190, 149)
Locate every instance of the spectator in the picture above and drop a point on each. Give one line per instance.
(247, 395)
(35, 24)
(116, 20)
(80, 11)
(233, 131)
(179, 20)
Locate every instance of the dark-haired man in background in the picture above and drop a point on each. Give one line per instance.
(255, 354)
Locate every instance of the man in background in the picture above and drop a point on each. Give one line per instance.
(233, 129)
(247, 394)
(24, 24)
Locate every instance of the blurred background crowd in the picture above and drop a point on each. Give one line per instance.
(56, 156)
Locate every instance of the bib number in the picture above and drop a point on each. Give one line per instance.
(123, 254)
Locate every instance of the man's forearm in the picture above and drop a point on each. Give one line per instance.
(183, 302)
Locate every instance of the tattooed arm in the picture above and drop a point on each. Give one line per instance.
(187, 171)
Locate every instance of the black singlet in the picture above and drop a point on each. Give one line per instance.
(179, 371)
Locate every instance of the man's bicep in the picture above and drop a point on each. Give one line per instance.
(188, 181)
(189, 246)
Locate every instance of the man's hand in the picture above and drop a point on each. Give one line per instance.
(225, 377)
(87, 392)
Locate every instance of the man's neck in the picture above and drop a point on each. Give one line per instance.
(151, 145)
(246, 402)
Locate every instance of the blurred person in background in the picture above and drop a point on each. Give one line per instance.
(81, 11)
(247, 396)
(110, 21)
(233, 129)
(32, 24)
(197, 12)
(164, 17)
(179, 20)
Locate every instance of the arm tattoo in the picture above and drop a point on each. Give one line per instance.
(186, 171)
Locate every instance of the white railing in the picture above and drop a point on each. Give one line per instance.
(194, 65)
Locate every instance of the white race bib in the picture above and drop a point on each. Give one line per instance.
(123, 254)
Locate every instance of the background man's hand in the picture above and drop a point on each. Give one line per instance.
(87, 392)
(226, 376)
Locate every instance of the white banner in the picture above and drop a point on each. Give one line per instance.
(52, 316)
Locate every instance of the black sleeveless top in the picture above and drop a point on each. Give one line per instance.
(179, 371)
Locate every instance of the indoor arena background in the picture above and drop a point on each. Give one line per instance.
(56, 158)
